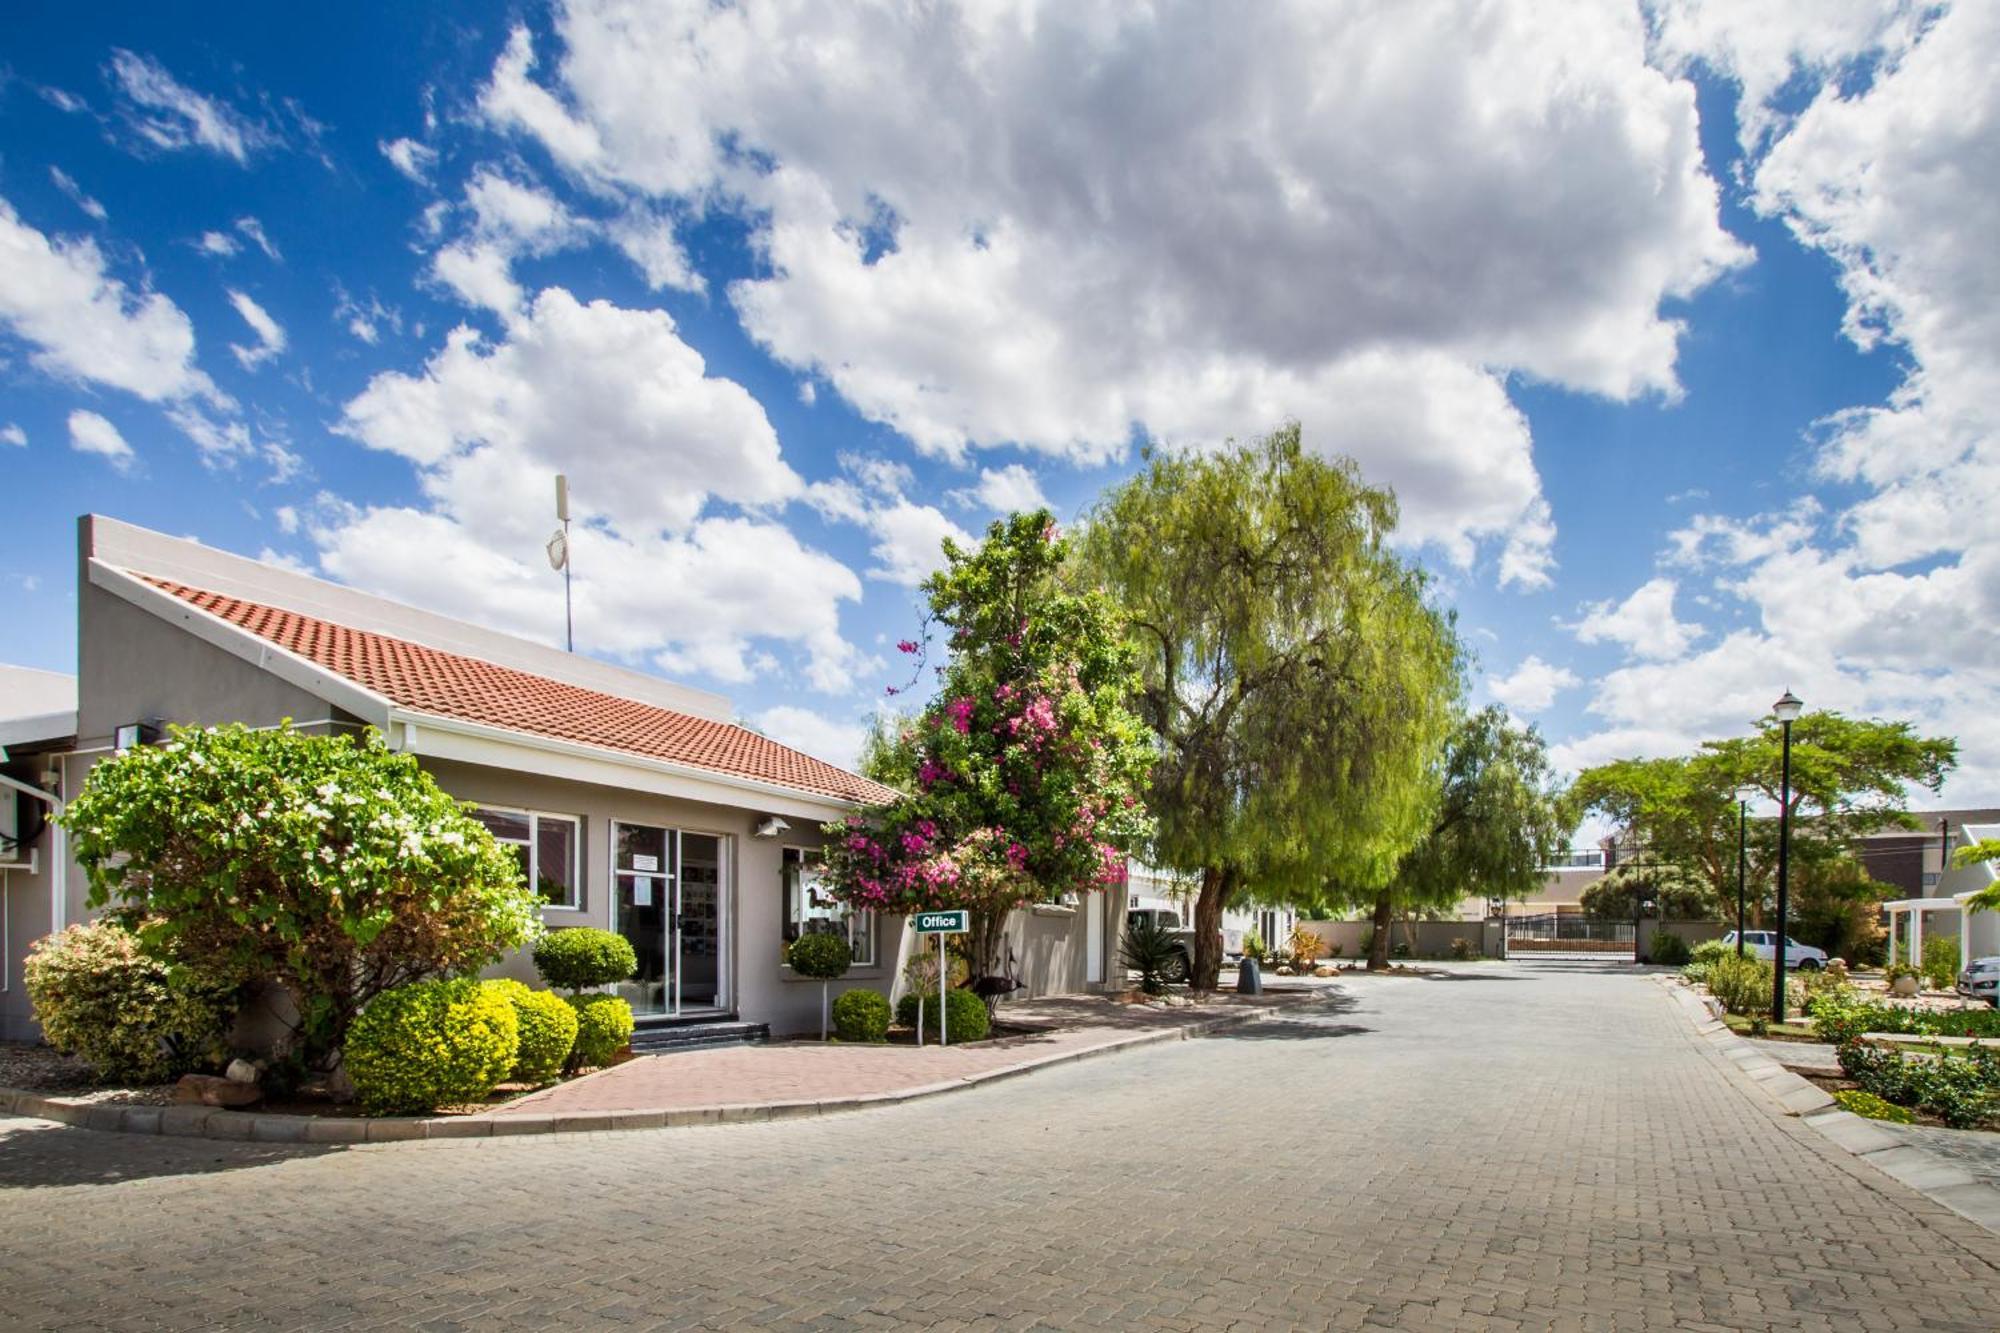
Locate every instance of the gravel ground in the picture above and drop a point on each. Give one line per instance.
(36, 1068)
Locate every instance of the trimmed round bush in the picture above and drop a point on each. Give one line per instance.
(861, 1015)
(603, 1026)
(1670, 950)
(820, 955)
(966, 1018)
(1711, 951)
(584, 956)
(548, 1031)
(132, 1017)
(431, 1044)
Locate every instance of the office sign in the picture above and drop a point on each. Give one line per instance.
(944, 923)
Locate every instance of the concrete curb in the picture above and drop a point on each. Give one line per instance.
(1929, 1174)
(202, 1122)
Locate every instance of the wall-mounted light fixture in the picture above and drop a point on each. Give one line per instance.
(128, 734)
(771, 826)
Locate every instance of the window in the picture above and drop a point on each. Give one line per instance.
(549, 847)
(810, 909)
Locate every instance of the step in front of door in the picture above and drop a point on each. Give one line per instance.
(667, 1037)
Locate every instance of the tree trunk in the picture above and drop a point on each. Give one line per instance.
(1218, 886)
(989, 931)
(1378, 943)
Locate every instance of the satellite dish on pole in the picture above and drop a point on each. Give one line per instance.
(558, 549)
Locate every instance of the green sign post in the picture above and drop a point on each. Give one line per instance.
(955, 922)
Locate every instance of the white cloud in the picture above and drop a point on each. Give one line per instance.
(217, 243)
(270, 334)
(11, 433)
(648, 240)
(168, 114)
(909, 537)
(611, 396)
(1643, 623)
(90, 433)
(1005, 490)
(409, 157)
(508, 220)
(482, 275)
(1532, 686)
(1070, 223)
(88, 326)
(254, 229)
(1871, 133)
(822, 737)
(74, 193)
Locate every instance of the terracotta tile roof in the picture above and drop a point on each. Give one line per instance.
(430, 680)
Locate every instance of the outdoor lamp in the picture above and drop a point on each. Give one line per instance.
(1787, 711)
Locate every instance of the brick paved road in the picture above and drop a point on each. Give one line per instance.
(1525, 1147)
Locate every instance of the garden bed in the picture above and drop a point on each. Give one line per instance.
(33, 1067)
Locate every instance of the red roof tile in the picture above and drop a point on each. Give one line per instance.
(430, 680)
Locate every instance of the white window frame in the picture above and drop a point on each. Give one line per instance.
(860, 924)
(534, 846)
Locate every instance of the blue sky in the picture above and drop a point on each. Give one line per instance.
(1665, 323)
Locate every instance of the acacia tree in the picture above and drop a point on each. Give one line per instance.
(329, 865)
(1023, 774)
(1297, 681)
(1495, 821)
(1850, 777)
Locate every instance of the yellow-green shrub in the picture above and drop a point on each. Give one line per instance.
(132, 1017)
(548, 1031)
(603, 1026)
(861, 1015)
(966, 1018)
(431, 1044)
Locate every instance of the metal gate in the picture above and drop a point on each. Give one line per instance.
(1553, 936)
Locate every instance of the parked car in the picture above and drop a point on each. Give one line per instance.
(1183, 966)
(1762, 944)
(1981, 981)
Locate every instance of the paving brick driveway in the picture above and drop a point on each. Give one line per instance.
(1526, 1146)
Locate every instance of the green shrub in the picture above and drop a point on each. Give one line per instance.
(133, 1018)
(1866, 1103)
(1847, 1018)
(547, 1027)
(603, 1027)
(1151, 950)
(431, 1044)
(1462, 949)
(583, 956)
(1670, 950)
(1940, 965)
(1253, 946)
(820, 955)
(1400, 949)
(1744, 985)
(1711, 951)
(1895, 972)
(861, 1015)
(966, 1018)
(1957, 1089)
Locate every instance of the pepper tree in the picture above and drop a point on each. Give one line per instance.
(1022, 776)
(329, 865)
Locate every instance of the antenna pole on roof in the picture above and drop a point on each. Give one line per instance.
(559, 558)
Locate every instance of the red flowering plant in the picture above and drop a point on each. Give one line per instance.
(1022, 777)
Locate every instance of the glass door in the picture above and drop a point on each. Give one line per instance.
(669, 902)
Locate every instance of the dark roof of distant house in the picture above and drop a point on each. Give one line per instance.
(430, 680)
(1928, 822)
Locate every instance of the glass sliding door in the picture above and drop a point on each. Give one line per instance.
(669, 901)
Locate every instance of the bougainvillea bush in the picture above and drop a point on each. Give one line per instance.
(330, 865)
(1023, 775)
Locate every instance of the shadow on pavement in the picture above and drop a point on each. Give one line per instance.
(38, 1154)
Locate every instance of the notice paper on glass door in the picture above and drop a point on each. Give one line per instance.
(642, 892)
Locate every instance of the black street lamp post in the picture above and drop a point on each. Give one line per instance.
(1787, 710)
(1742, 865)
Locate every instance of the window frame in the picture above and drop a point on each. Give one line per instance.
(860, 923)
(533, 843)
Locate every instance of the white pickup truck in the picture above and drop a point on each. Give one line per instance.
(1169, 920)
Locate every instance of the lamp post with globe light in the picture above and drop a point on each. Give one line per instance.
(1787, 711)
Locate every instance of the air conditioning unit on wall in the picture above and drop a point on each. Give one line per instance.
(20, 827)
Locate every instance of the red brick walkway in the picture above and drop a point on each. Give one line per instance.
(789, 1072)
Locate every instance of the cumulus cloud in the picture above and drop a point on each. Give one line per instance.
(88, 326)
(908, 537)
(90, 433)
(1871, 132)
(1532, 686)
(838, 742)
(1644, 623)
(1005, 490)
(11, 433)
(1071, 226)
(270, 334)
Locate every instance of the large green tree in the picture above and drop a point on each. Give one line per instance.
(1296, 677)
(1496, 820)
(1850, 777)
(1023, 774)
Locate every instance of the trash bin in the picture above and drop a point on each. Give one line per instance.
(1249, 978)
